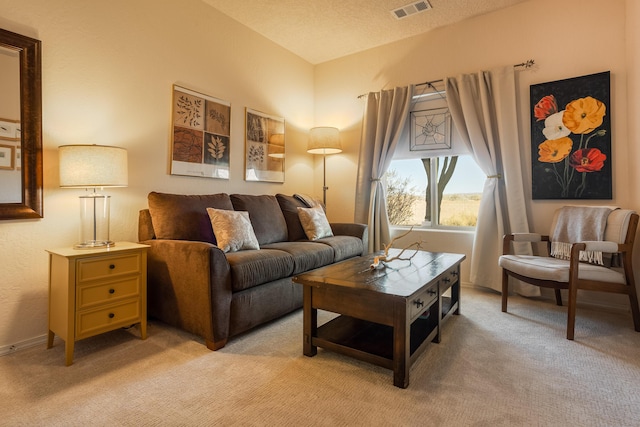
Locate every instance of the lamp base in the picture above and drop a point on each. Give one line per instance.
(94, 245)
(94, 221)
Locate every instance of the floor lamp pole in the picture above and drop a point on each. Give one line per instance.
(324, 179)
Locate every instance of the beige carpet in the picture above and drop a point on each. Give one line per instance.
(491, 369)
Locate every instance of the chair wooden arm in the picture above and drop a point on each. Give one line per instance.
(521, 237)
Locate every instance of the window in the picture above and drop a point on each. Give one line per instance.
(459, 182)
(433, 184)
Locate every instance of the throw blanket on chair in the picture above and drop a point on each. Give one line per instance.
(579, 224)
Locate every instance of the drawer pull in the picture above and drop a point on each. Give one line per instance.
(111, 315)
(112, 266)
(419, 303)
(431, 292)
(446, 280)
(112, 291)
(454, 273)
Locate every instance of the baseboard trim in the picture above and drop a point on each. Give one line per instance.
(31, 342)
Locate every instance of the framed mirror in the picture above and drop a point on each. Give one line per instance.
(20, 127)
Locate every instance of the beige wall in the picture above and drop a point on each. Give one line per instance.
(566, 39)
(108, 70)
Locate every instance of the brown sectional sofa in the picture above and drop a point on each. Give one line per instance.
(195, 286)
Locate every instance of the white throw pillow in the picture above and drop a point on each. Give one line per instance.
(233, 230)
(314, 222)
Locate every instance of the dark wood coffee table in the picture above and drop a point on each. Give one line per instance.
(387, 316)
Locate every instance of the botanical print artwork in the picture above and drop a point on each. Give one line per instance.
(571, 138)
(201, 135)
(265, 147)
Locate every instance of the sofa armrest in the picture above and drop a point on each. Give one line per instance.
(189, 286)
(352, 229)
(145, 226)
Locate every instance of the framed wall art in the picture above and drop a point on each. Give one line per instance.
(571, 138)
(430, 129)
(201, 132)
(7, 153)
(264, 147)
(10, 129)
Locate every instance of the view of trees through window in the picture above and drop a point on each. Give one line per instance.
(432, 192)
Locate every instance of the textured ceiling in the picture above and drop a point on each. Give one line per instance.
(322, 30)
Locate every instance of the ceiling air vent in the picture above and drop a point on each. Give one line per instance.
(411, 9)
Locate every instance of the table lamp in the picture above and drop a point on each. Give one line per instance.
(92, 167)
(324, 140)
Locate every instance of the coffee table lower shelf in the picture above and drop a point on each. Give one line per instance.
(373, 342)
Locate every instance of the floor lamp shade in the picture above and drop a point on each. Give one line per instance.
(324, 140)
(93, 167)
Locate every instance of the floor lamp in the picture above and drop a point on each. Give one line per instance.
(93, 167)
(324, 140)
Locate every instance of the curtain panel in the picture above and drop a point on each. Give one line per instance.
(385, 115)
(483, 109)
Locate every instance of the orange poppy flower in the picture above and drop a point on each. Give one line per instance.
(554, 150)
(583, 115)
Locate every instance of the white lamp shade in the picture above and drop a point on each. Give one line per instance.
(93, 166)
(324, 140)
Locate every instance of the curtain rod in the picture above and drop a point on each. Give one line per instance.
(526, 64)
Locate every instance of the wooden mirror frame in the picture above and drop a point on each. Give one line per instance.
(31, 126)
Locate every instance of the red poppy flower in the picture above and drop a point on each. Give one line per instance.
(545, 107)
(587, 160)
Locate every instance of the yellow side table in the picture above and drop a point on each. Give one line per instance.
(92, 291)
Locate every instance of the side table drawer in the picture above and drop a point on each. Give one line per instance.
(108, 266)
(93, 294)
(419, 304)
(91, 322)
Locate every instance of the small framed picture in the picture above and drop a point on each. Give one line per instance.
(7, 159)
(430, 129)
(9, 129)
(264, 147)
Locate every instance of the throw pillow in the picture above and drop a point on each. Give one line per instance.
(233, 230)
(314, 222)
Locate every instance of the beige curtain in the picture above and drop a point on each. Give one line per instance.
(483, 108)
(384, 120)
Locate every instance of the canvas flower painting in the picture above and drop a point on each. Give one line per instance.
(571, 142)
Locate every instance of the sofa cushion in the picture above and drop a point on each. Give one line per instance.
(233, 230)
(289, 206)
(265, 214)
(314, 222)
(344, 246)
(255, 267)
(306, 255)
(184, 217)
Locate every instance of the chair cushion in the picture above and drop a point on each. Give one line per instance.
(265, 214)
(617, 224)
(557, 270)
